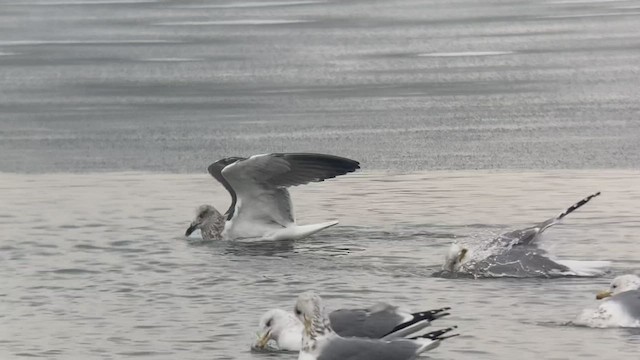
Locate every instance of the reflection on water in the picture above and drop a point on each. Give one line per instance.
(100, 259)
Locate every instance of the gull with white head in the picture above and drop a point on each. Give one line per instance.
(320, 342)
(260, 202)
(381, 321)
(282, 327)
(620, 308)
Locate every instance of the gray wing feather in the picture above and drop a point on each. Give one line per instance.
(303, 168)
(260, 181)
(339, 348)
(284, 170)
(630, 301)
(519, 262)
(364, 323)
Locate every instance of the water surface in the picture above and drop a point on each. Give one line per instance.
(111, 110)
(172, 85)
(95, 265)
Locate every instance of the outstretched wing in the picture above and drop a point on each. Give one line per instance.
(260, 183)
(530, 235)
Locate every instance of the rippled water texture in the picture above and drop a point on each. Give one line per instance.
(95, 265)
(412, 85)
(110, 111)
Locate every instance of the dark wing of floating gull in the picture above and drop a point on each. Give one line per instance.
(340, 348)
(381, 321)
(529, 235)
(519, 262)
(262, 203)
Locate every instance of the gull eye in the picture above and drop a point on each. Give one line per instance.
(614, 286)
(269, 322)
(298, 312)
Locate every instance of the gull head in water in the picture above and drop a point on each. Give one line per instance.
(282, 327)
(209, 221)
(455, 257)
(619, 285)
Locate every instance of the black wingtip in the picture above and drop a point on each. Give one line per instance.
(577, 205)
(431, 314)
(316, 167)
(344, 163)
(438, 334)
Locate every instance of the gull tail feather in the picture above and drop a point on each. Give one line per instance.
(301, 231)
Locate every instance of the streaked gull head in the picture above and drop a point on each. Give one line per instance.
(310, 310)
(209, 221)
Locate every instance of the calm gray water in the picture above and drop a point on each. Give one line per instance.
(110, 111)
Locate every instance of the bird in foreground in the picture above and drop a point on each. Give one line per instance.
(320, 342)
(622, 303)
(517, 249)
(381, 321)
(260, 202)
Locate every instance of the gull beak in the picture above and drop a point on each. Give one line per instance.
(263, 340)
(191, 229)
(462, 254)
(603, 294)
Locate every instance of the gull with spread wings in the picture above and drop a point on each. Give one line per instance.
(260, 202)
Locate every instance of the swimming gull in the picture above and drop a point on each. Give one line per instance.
(621, 305)
(381, 321)
(513, 253)
(260, 202)
(320, 342)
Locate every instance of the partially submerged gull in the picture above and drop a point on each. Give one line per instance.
(515, 254)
